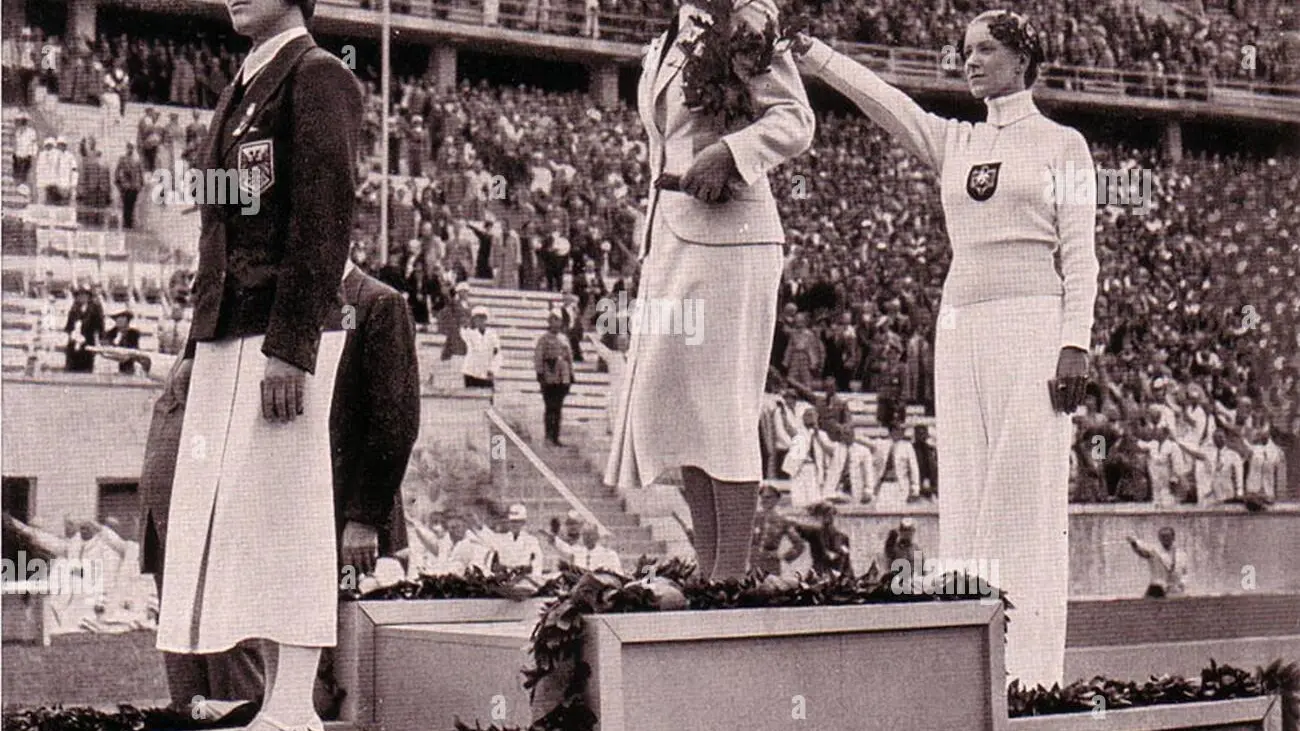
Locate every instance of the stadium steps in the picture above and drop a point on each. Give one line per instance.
(9, 196)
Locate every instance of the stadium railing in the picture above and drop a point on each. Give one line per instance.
(567, 18)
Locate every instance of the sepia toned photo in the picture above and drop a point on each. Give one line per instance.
(636, 365)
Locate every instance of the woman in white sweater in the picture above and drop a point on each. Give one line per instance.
(1011, 352)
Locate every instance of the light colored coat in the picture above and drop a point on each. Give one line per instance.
(698, 402)
(676, 135)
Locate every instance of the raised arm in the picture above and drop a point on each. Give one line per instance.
(921, 132)
(784, 128)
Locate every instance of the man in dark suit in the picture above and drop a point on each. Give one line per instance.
(84, 327)
(122, 335)
(374, 421)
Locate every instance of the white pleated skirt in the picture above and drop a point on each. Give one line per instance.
(694, 400)
(1004, 461)
(250, 548)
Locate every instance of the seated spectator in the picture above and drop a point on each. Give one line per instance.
(828, 545)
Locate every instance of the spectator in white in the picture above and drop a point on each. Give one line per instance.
(47, 172)
(1223, 468)
(787, 422)
(1195, 429)
(1168, 564)
(430, 545)
(1165, 464)
(591, 20)
(564, 538)
(66, 173)
(806, 462)
(468, 548)
(592, 555)
(901, 473)
(518, 548)
(112, 100)
(541, 177)
(25, 147)
(1267, 467)
(557, 259)
(483, 356)
(854, 466)
(491, 12)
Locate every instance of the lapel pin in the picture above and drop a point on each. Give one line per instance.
(243, 123)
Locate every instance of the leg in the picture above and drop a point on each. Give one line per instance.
(704, 519)
(289, 688)
(736, 504)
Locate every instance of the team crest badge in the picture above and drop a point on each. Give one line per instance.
(982, 181)
(256, 167)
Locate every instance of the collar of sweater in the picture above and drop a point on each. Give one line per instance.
(1011, 108)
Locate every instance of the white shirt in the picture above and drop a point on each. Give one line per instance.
(1226, 470)
(521, 550)
(483, 356)
(1167, 567)
(263, 54)
(1267, 469)
(25, 143)
(596, 559)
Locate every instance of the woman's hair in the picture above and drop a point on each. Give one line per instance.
(1014, 31)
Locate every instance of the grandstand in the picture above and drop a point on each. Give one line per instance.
(1174, 282)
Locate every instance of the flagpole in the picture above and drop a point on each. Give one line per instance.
(385, 94)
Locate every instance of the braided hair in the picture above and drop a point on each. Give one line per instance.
(1015, 31)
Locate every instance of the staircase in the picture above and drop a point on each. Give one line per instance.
(10, 200)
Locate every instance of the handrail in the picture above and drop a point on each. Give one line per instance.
(495, 418)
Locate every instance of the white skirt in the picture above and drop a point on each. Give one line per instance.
(250, 548)
(693, 399)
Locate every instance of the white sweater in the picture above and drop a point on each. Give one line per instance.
(1002, 246)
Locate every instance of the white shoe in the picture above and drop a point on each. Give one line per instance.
(266, 723)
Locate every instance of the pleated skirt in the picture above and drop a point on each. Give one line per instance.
(250, 545)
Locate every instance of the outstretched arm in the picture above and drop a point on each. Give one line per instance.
(921, 132)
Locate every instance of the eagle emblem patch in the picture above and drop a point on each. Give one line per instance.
(982, 181)
(256, 167)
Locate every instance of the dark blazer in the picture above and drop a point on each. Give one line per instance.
(276, 272)
(376, 413)
(374, 420)
(130, 338)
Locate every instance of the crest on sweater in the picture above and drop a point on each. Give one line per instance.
(982, 180)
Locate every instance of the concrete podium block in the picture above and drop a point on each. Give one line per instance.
(1246, 714)
(433, 674)
(357, 661)
(849, 667)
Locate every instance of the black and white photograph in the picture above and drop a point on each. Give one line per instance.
(645, 365)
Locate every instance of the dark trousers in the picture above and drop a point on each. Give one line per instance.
(128, 207)
(553, 397)
(1155, 592)
(149, 156)
(22, 169)
(472, 382)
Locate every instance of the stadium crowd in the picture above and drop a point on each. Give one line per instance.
(1258, 41)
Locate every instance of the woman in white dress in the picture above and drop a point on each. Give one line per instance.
(1013, 337)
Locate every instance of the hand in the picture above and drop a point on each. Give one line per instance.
(282, 390)
(178, 381)
(798, 45)
(1070, 385)
(360, 547)
(709, 175)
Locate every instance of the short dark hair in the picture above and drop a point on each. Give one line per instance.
(308, 8)
(1014, 31)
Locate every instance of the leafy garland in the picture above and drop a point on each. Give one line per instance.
(723, 56)
(559, 675)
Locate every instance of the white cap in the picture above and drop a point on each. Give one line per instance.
(517, 512)
(478, 310)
